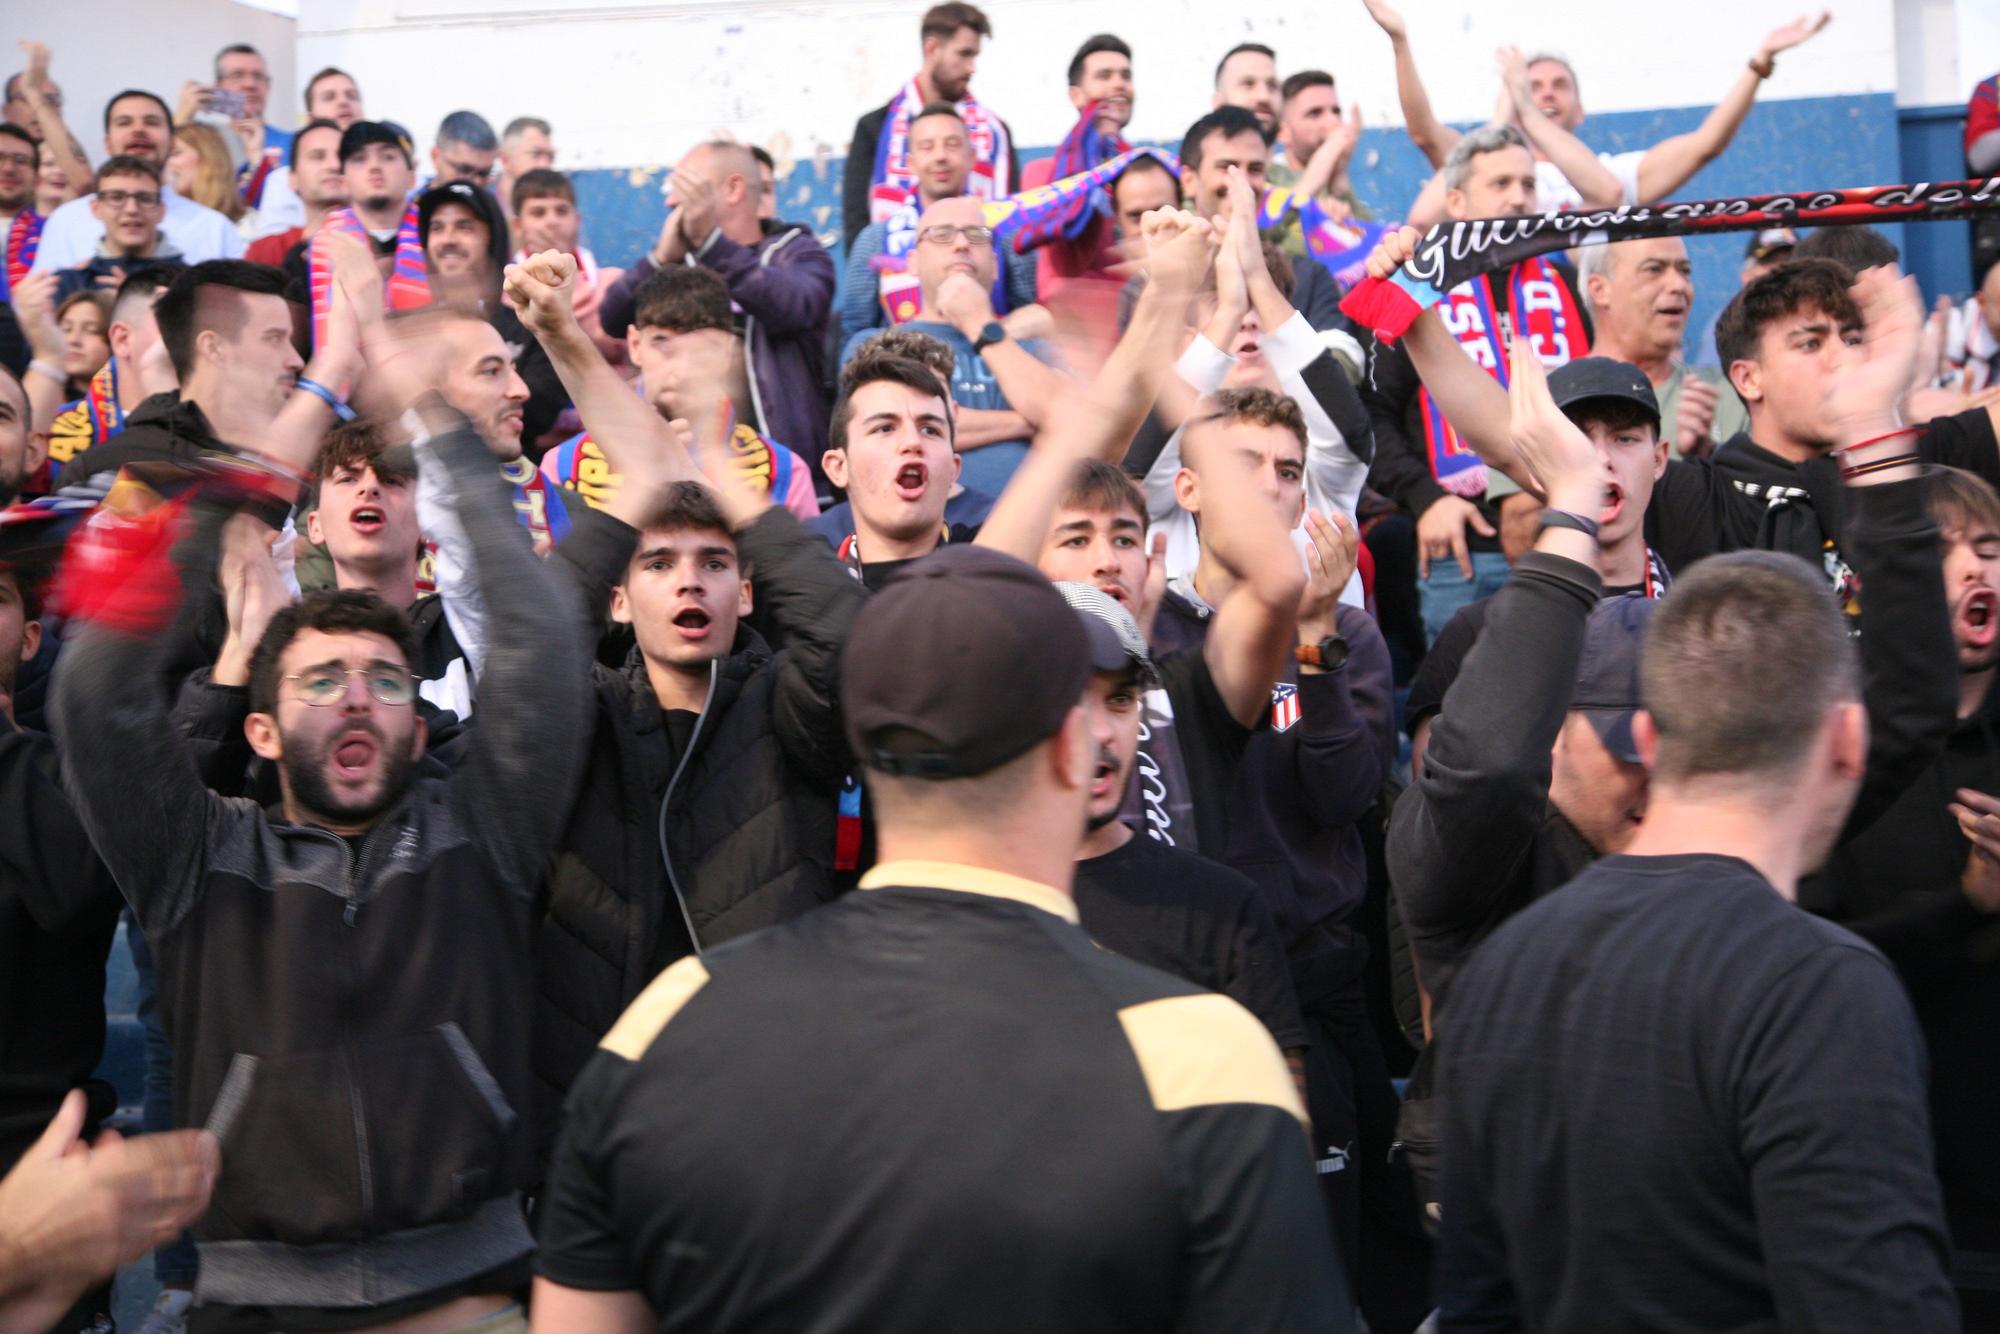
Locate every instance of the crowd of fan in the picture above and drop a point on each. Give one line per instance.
(711, 789)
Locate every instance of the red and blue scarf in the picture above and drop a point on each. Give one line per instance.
(408, 287)
(1541, 310)
(578, 464)
(24, 238)
(1343, 247)
(1061, 209)
(893, 184)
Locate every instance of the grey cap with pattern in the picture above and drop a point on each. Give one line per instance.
(1100, 607)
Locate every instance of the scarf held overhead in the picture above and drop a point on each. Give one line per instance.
(894, 184)
(1452, 252)
(1062, 208)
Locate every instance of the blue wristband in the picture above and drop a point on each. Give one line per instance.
(327, 396)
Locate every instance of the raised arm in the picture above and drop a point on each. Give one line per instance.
(1474, 812)
(293, 440)
(1099, 422)
(641, 447)
(1429, 133)
(1669, 164)
(35, 311)
(129, 773)
(1592, 179)
(57, 141)
(1254, 629)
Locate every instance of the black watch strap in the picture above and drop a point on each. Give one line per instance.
(1567, 519)
(994, 332)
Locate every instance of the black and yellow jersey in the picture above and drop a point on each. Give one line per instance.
(936, 1105)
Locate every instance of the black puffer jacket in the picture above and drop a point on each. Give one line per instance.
(734, 835)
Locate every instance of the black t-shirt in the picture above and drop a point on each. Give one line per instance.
(1194, 918)
(933, 1106)
(875, 573)
(1719, 1098)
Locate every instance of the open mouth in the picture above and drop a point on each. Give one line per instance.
(354, 755)
(367, 520)
(1672, 312)
(1614, 503)
(1101, 781)
(693, 623)
(1116, 592)
(1979, 617)
(912, 480)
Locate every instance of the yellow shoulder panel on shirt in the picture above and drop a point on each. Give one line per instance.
(1205, 1050)
(654, 1010)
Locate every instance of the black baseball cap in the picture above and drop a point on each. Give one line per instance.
(365, 132)
(1607, 680)
(1603, 377)
(963, 661)
(1770, 241)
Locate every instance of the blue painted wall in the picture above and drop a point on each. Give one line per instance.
(1798, 144)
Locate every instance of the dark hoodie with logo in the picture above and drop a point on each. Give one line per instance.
(1897, 886)
(1746, 497)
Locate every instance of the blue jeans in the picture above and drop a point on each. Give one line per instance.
(1446, 589)
(173, 1263)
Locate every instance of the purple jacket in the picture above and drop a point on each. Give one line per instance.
(784, 287)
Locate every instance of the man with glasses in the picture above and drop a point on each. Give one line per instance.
(138, 124)
(1004, 387)
(21, 111)
(284, 939)
(129, 202)
(466, 150)
(780, 278)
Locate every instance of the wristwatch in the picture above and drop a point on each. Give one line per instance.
(994, 332)
(1329, 654)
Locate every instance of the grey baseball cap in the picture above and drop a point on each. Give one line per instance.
(1115, 641)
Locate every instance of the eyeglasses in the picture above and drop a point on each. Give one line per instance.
(470, 171)
(18, 159)
(944, 233)
(328, 685)
(120, 198)
(53, 99)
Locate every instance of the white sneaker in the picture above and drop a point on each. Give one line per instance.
(169, 1313)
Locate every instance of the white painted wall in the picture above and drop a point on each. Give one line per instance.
(632, 82)
(101, 47)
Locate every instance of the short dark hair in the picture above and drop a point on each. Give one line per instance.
(1106, 488)
(1856, 247)
(184, 315)
(1959, 501)
(682, 298)
(30, 577)
(330, 72)
(333, 611)
(362, 443)
(764, 157)
(1225, 121)
(1785, 289)
(541, 183)
(235, 49)
(869, 366)
(522, 124)
(470, 129)
(154, 98)
(153, 278)
(1742, 661)
(1262, 407)
(8, 127)
(915, 345)
(938, 109)
(686, 507)
(1254, 48)
(316, 123)
(946, 19)
(1304, 79)
(1102, 42)
(125, 164)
